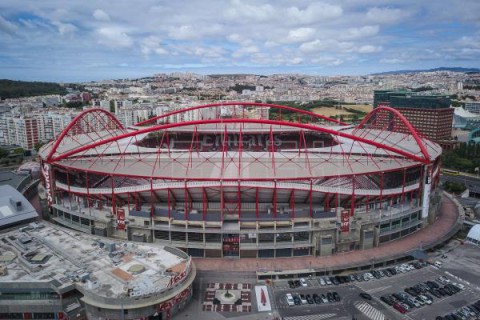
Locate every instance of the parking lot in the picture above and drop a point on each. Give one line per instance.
(456, 276)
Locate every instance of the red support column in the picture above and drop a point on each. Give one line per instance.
(204, 202)
(88, 190)
(352, 201)
(239, 200)
(326, 202)
(311, 198)
(113, 197)
(168, 202)
(256, 202)
(381, 190)
(224, 148)
(292, 203)
(240, 150)
(272, 148)
(185, 197)
(152, 207)
(275, 198)
(222, 201)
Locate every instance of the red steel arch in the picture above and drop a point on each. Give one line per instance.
(226, 121)
(110, 119)
(404, 120)
(246, 104)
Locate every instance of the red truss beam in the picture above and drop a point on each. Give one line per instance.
(78, 120)
(245, 104)
(407, 124)
(425, 159)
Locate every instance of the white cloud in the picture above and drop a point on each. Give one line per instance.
(315, 12)
(114, 37)
(65, 28)
(296, 60)
(386, 15)
(151, 45)
(239, 11)
(190, 32)
(359, 33)
(369, 49)
(328, 61)
(326, 45)
(391, 60)
(101, 15)
(244, 51)
(300, 35)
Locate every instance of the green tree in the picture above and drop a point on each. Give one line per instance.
(19, 151)
(3, 153)
(112, 106)
(38, 145)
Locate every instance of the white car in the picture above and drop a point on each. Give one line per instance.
(437, 264)
(328, 281)
(459, 285)
(290, 299)
(322, 282)
(425, 299)
(303, 282)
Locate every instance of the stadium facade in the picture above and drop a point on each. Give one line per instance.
(227, 180)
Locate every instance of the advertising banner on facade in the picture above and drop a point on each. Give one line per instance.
(120, 219)
(345, 221)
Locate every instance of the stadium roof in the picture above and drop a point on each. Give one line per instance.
(363, 149)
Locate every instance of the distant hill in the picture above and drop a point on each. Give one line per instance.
(18, 89)
(453, 69)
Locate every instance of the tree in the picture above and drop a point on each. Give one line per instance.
(38, 145)
(19, 151)
(112, 106)
(3, 153)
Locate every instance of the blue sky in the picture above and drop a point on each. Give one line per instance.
(78, 40)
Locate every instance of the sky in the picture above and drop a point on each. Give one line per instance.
(86, 40)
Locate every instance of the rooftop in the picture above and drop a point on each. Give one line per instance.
(14, 208)
(100, 266)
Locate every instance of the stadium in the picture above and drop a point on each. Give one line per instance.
(246, 180)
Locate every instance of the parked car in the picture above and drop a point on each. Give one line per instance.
(330, 297)
(303, 299)
(290, 299)
(336, 296)
(309, 299)
(399, 308)
(365, 295)
(303, 282)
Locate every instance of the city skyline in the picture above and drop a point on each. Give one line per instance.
(78, 41)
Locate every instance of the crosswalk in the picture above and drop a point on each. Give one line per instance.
(369, 311)
(313, 317)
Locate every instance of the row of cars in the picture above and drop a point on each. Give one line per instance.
(374, 274)
(465, 313)
(421, 294)
(299, 299)
(364, 276)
